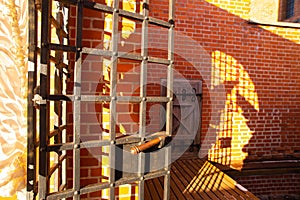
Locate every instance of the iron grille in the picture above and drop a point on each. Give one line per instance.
(45, 138)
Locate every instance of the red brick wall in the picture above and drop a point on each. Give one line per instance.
(275, 187)
(269, 57)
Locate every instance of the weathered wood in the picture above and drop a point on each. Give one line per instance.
(198, 179)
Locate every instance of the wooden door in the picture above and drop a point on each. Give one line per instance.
(186, 114)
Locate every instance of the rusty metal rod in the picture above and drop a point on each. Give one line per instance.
(143, 147)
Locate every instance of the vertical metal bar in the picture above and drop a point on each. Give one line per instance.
(58, 90)
(113, 102)
(77, 102)
(169, 112)
(143, 95)
(31, 113)
(44, 105)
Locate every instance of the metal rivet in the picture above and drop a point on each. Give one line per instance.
(112, 142)
(146, 18)
(172, 62)
(142, 178)
(112, 185)
(171, 98)
(145, 58)
(168, 172)
(144, 99)
(114, 98)
(116, 10)
(115, 54)
(77, 146)
(76, 192)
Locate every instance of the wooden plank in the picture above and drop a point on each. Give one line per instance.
(199, 181)
(185, 178)
(238, 191)
(154, 193)
(147, 194)
(218, 189)
(186, 172)
(178, 186)
(159, 187)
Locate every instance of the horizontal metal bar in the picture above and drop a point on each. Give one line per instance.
(61, 47)
(158, 60)
(95, 143)
(95, 98)
(131, 15)
(127, 180)
(155, 174)
(59, 97)
(60, 147)
(157, 99)
(128, 140)
(92, 144)
(108, 98)
(94, 188)
(94, 51)
(134, 99)
(98, 6)
(159, 22)
(60, 195)
(100, 186)
(73, 2)
(130, 56)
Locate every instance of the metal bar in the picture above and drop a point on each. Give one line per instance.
(130, 56)
(72, 2)
(159, 22)
(94, 187)
(94, 51)
(57, 25)
(131, 15)
(169, 112)
(44, 107)
(59, 63)
(155, 174)
(58, 87)
(113, 103)
(98, 6)
(60, 97)
(100, 186)
(143, 95)
(77, 102)
(60, 147)
(158, 60)
(31, 113)
(59, 129)
(55, 166)
(61, 195)
(62, 47)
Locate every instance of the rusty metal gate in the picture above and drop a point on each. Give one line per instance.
(49, 68)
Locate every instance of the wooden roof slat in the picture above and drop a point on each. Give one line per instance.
(198, 179)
